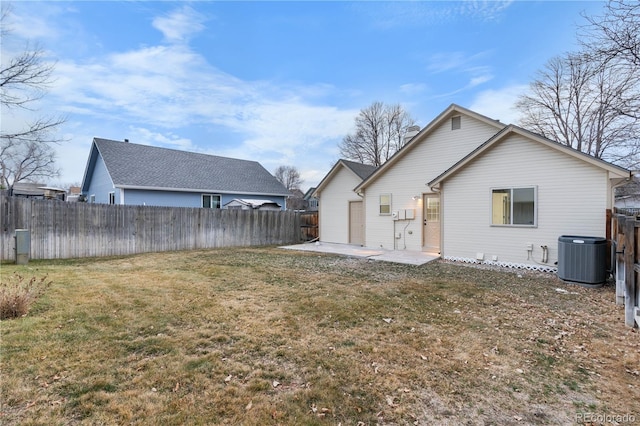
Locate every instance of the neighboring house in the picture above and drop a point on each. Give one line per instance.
(39, 191)
(28, 190)
(628, 204)
(245, 204)
(296, 200)
(470, 188)
(74, 194)
(628, 201)
(341, 217)
(133, 174)
(310, 200)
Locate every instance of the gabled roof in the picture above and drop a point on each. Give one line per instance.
(309, 193)
(147, 167)
(361, 171)
(452, 110)
(616, 171)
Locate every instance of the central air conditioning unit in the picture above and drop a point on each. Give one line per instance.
(582, 259)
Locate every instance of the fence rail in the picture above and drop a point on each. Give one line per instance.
(627, 266)
(61, 230)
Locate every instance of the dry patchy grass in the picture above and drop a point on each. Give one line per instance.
(266, 336)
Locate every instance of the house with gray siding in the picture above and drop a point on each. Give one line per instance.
(133, 174)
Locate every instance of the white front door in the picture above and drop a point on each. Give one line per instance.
(431, 223)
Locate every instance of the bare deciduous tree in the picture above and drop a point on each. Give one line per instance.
(616, 34)
(575, 101)
(289, 176)
(28, 160)
(591, 100)
(613, 41)
(26, 153)
(379, 134)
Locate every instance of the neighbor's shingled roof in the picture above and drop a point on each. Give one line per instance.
(142, 166)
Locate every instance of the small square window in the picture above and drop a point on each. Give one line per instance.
(456, 122)
(385, 204)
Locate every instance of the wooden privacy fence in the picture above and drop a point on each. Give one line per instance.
(309, 225)
(61, 230)
(627, 266)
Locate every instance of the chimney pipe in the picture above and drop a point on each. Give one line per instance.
(126, 140)
(411, 132)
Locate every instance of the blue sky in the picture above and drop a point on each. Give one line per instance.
(277, 82)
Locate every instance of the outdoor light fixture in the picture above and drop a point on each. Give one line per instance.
(415, 197)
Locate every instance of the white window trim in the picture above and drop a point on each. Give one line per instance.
(380, 204)
(511, 225)
(112, 194)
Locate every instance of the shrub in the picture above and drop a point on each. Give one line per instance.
(17, 294)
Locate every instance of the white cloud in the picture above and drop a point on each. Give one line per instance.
(499, 104)
(413, 88)
(180, 24)
(461, 64)
(31, 26)
(483, 9)
(143, 136)
(391, 15)
(158, 94)
(478, 80)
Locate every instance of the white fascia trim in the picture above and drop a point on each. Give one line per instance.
(200, 191)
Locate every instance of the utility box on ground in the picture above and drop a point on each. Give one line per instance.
(582, 259)
(23, 246)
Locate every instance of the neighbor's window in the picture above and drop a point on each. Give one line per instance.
(210, 201)
(112, 198)
(92, 198)
(385, 204)
(513, 206)
(456, 122)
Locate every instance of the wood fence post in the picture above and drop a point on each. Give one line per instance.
(619, 259)
(630, 273)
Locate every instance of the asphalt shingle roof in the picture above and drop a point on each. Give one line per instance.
(146, 166)
(362, 170)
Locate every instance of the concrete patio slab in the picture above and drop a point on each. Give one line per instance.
(396, 256)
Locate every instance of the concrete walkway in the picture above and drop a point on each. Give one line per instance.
(396, 256)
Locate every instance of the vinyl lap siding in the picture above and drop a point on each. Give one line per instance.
(184, 199)
(101, 183)
(408, 177)
(571, 201)
(333, 207)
